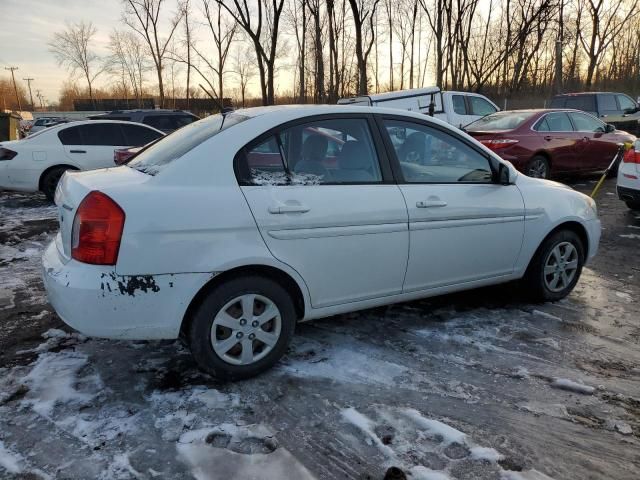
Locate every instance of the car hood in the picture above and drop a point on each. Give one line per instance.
(524, 180)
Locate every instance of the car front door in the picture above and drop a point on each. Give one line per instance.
(463, 227)
(559, 140)
(98, 141)
(601, 146)
(341, 224)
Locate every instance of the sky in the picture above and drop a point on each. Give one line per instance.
(27, 26)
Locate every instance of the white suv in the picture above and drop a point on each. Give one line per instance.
(629, 177)
(234, 228)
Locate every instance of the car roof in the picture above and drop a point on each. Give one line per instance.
(578, 94)
(76, 123)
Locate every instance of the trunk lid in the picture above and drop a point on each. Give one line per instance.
(74, 186)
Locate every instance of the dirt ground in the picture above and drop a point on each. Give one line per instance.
(478, 385)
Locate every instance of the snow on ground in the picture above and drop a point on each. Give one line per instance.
(458, 387)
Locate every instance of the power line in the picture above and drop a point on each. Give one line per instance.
(15, 88)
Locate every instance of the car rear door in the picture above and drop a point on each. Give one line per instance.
(342, 227)
(463, 227)
(98, 141)
(559, 140)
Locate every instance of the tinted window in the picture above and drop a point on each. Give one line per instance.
(558, 102)
(334, 151)
(102, 134)
(180, 121)
(168, 122)
(586, 123)
(174, 146)
(112, 117)
(607, 104)
(586, 103)
(542, 125)
(459, 105)
(70, 136)
(428, 155)
(479, 106)
(138, 136)
(558, 122)
(499, 121)
(626, 103)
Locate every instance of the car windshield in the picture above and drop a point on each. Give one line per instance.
(499, 121)
(174, 146)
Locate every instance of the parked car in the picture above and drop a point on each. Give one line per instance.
(628, 186)
(164, 120)
(38, 161)
(123, 155)
(200, 236)
(548, 142)
(456, 108)
(615, 108)
(46, 122)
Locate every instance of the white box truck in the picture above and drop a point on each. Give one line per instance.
(457, 108)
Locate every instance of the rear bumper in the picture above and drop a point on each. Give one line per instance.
(628, 194)
(97, 302)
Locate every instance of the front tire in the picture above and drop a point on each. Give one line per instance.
(242, 328)
(538, 167)
(633, 205)
(556, 267)
(49, 181)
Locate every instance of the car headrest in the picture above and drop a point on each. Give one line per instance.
(354, 156)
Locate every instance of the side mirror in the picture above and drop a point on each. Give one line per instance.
(608, 128)
(503, 175)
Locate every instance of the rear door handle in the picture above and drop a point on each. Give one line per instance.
(431, 204)
(78, 151)
(585, 139)
(547, 138)
(280, 209)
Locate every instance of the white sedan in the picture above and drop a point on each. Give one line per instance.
(628, 186)
(234, 228)
(38, 161)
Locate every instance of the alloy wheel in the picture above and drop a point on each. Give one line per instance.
(561, 266)
(537, 168)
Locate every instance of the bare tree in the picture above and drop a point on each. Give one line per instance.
(363, 17)
(129, 59)
(244, 70)
(72, 48)
(144, 17)
(314, 9)
(262, 28)
(186, 9)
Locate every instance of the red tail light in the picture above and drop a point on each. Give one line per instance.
(6, 154)
(97, 230)
(498, 143)
(631, 156)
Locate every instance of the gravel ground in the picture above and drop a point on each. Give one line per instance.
(478, 385)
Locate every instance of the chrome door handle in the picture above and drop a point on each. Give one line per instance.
(280, 209)
(431, 204)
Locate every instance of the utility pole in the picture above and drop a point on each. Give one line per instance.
(29, 80)
(15, 88)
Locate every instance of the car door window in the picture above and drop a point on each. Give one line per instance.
(137, 135)
(607, 104)
(479, 106)
(161, 122)
(429, 155)
(70, 136)
(102, 134)
(586, 123)
(332, 151)
(542, 125)
(459, 105)
(626, 104)
(558, 122)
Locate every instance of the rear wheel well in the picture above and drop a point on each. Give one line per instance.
(284, 279)
(544, 154)
(61, 165)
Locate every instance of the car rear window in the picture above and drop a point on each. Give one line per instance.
(558, 102)
(586, 103)
(174, 146)
(499, 121)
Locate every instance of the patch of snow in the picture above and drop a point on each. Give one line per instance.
(557, 410)
(486, 453)
(630, 235)
(521, 372)
(120, 468)
(11, 462)
(549, 316)
(366, 425)
(526, 475)
(420, 472)
(53, 381)
(434, 427)
(624, 296)
(566, 384)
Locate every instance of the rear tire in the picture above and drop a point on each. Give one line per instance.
(538, 167)
(49, 181)
(555, 268)
(242, 328)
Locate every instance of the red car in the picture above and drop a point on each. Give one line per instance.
(543, 142)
